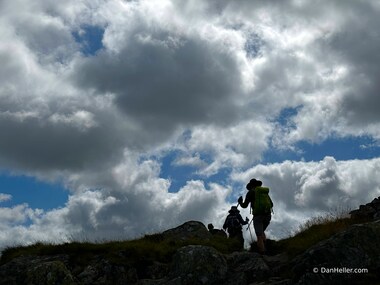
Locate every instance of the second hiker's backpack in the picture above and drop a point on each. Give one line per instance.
(233, 223)
(263, 203)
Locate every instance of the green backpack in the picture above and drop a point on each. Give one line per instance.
(263, 203)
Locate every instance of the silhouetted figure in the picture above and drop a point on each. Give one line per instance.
(233, 224)
(216, 232)
(261, 205)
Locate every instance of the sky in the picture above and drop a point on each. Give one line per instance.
(125, 118)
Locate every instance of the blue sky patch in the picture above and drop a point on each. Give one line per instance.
(35, 193)
(252, 45)
(347, 148)
(178, 174)
(90, 39)
(286, 114)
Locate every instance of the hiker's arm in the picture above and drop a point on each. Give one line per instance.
(242, 221)
(225, 225)
(246, 201)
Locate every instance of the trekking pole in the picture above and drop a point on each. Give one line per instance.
(249, 228)
(250, 222)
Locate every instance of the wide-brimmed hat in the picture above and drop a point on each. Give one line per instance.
(234, 209)
(253, 183)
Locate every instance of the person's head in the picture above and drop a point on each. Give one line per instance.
(253, 183)
(210, 227)
(233, 210)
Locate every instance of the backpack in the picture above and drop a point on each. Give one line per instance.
(232, 223)
(263, 203)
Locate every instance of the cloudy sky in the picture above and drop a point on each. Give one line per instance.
(122, 118)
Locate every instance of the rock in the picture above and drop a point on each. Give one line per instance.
(186, 231)
(51, 272)
(369, 211)
(246, 267)
(101, 271)
(355, 248)
(195, 264)
(37, 270)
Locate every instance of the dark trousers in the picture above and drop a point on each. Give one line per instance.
(237, 235)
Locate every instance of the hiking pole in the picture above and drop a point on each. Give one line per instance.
(250, 232)
(250, 222)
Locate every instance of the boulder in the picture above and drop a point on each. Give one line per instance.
(37, 270)
(51, 272)
(331, 261)
(245, 268)
(369, 211)
(196, 264)
(187, 231)
(102, 271)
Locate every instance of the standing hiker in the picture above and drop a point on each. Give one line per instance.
(233, 225)
(261, 205)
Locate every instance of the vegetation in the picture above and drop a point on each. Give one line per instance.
(150, 248)
(132, 252)
(313, 231)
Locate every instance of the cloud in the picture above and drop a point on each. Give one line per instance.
(135, 202)
(209, 81)
(165, 75)
(303, 189)
(138, 201)
(5, 197)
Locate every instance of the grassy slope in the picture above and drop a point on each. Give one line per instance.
(313, 231)
(131, 252)
(154, 248)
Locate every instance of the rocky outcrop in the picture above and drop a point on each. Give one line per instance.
(37, 270)
(192, 264)
(186, 231)
(353, 249)
(369, 211)
(195, 264)
(352, 256)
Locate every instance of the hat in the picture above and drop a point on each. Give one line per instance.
(253, 183)
(233, 209)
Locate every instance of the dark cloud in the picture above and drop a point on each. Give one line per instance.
(162, 80)
(36, 144)
(356, 44)
(221, 70)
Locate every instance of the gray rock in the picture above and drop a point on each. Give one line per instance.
(195, 264)
(357, 247)
(186, 231)
(101, 271)
(51, 272)
(246, 267)
(368, 211)
(36, 270)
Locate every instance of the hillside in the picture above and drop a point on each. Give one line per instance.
(329, 252)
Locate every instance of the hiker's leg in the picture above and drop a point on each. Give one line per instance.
(260, 243)
(259, 230)
(241, 239)
(266, 221)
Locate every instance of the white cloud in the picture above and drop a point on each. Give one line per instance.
(207, 79)
(5, 197)
(302, 189)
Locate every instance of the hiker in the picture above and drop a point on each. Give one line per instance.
(261, 206)
(233, 224)
(216, 232)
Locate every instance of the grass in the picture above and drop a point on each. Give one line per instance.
(132, 252)
(150, 248)
(314, 231)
